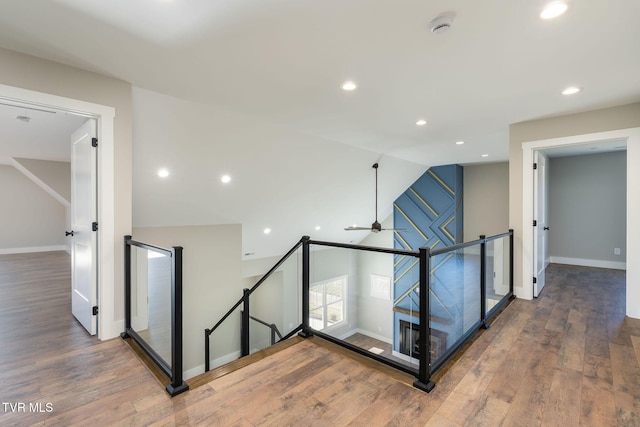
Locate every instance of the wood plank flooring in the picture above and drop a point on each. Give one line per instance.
(568, 358)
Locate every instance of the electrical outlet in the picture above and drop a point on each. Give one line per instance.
(616, 251)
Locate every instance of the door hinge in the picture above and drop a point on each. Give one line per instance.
(94, 226)
(94, 142)
(94, 310)
(535, 223)
(535, 280)
(535, 166)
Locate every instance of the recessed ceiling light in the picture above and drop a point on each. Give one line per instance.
(459, 142)
(485, 155)
(267, 230)
(163, 173)
(421, 122)
(317, 227)
(553, 10)
(571, 90)
(225, 179)
(349, 86)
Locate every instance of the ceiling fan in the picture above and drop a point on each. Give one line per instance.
(376, 227)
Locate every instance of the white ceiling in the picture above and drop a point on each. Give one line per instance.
(283, 61)
(45, 136)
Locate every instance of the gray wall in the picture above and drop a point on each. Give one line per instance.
(30, 218)
(587, 206)
(621, 117)
(486, 200)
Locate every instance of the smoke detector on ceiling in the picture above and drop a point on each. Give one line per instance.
(440, 25)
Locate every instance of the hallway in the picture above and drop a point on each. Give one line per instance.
(568, 358)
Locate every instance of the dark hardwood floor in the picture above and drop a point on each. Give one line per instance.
(568, 358)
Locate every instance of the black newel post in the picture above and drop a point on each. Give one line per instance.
(177, 384)
(244, 334)
(423, 382)
(511, 262)
(306, 331)
(483, 282)
(207, 356)
(127, 287)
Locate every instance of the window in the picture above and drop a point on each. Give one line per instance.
(326, 303)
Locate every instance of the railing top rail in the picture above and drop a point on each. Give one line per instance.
(149, 247)
(235, 306)
(366, 248)
(265, 277)
(468, 244)
(278, 264)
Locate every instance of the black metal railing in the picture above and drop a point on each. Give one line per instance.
(275, 332)
(246, 317)
(455, 291)
(153, 307)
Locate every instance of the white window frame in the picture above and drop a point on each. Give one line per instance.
(324, 305)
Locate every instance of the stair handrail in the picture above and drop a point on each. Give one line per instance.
(274, 328)
(245, 300)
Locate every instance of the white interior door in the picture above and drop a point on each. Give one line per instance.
(540, 211)
(83, 214)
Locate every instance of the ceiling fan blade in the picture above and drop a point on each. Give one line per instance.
(393, 229)
(357, 228)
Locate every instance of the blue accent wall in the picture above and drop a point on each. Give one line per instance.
(429, 213)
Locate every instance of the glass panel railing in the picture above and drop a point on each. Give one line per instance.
(153, 307)
(151, 299)
(497, 277)
(274, 312)
(353, 299)
(454, 298)
(275, 306)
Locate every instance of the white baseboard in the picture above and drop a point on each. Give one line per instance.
(190, 373)
(8, 251)
(615, 265)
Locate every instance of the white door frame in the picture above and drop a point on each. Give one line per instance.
(108, 326)
(632, 136)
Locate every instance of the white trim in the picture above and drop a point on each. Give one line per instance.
(615, 265)
(108, 326)
(33, 249)
(40, 183)
(632, 137)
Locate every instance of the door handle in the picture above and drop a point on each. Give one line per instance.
(69, 233)
(545, 228)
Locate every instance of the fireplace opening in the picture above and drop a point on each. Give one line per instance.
(409, 339)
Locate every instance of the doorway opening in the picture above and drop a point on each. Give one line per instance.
(632, 139)
(107, 326)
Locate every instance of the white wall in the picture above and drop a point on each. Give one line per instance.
(31, 219)
(35, 74)
(587, 209)
(211, 285)
(55, 175)
(486, 200)
(375, 315)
